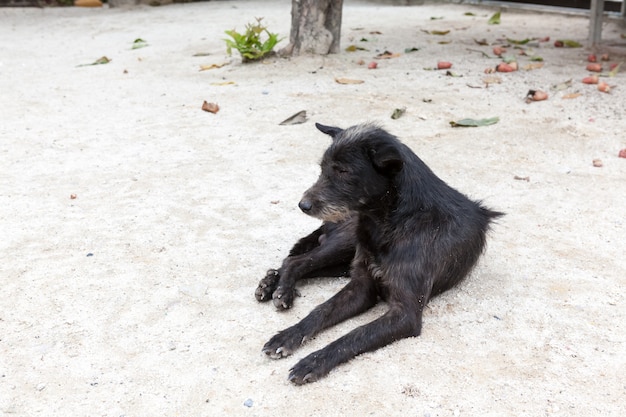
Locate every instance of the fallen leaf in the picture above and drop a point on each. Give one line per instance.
(474, 122)
(409, 50)
(212, 66)
(202, 54)
(567, 43)
(438, 32)
(375, 32)
(387, 55)
(348, 81)
(533, 66)
(482, 42)
(469, 14)
(210, 107)
(571, 96)
(139, 43)
(614, 70)
(364, 40)
(397, 113)
(517, 177)
(224, 83)
(296, 119)
(518, 42)
(495, 19)
(436, 18)
(99, 61)
(492, 80)
(354, 48)
(562, 86)
(536, 58)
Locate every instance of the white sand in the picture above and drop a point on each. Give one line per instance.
(183, 211)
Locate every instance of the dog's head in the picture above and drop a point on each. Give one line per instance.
(358, 170)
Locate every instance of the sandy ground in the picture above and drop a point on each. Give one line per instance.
(135, 298)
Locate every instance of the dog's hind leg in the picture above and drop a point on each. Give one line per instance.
(398, 323)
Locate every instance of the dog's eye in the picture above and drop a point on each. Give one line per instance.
(340, 169)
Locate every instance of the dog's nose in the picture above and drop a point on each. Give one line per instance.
(305, 205)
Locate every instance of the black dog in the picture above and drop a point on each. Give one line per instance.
(403, 233)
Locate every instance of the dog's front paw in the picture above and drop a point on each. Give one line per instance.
(309, 369)
(283, 297)
(284, 343)
(267, 285)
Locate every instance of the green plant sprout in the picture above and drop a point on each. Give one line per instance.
(249, 43)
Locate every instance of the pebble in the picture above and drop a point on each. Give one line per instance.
(248, 402)
(41, 387)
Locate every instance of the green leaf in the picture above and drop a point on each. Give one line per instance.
(474, 122)
(536, 58)
(469, 14)
(99, 61)
(562, 86)
(439, 32)
(397, 113)
(569, 43)
(495, 19)
(139, 43)
(409, 50)
(518, 42)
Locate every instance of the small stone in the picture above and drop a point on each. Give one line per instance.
(41, 387)
(248, 403)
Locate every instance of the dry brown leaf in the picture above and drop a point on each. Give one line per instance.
(533, 66)
(571, 96)
(212, 66)
(387, 55)
(492, 80)
(295, 119)
(348, 81)
(224, 83)
(210, 107)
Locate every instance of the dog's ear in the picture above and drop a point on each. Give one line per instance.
(329, 130)
(386, 159)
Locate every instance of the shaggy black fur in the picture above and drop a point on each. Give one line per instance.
(404, 234)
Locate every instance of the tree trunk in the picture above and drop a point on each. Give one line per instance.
(315, 27)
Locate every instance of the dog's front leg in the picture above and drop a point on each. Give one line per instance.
(397, 323)
(356, 297)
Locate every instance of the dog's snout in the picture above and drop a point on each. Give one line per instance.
(305, 205)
